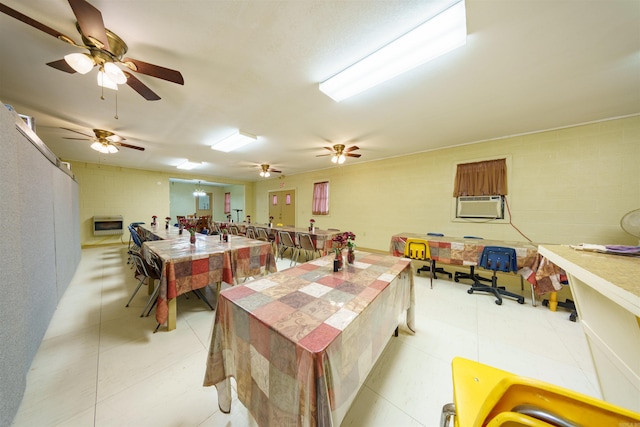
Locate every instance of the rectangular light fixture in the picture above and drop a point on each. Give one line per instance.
(439, 35)
(187, 165)
(236, 140)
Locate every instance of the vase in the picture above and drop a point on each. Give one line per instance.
(192, 239)
(351, 256)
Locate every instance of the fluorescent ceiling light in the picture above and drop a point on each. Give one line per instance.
(235, 141)
(187, 165)
(439, 35)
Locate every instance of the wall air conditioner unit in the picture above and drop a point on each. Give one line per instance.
(480, 207)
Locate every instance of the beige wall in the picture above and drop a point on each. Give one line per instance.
(565, 186)
(135, 194)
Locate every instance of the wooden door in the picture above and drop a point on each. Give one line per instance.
(282, 207)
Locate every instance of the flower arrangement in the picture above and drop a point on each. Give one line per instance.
(191, 228)
(248, 219)
(166, 222)
(344, 239)
(228, 217)
(153, 220)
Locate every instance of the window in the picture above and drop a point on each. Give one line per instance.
(227, 203)
(488, 178)
(320, 198)
(480, 188)
(274, 200)
(287, 199)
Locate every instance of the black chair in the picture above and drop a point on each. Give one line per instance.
(497, 258)
(144, 271)
(427, 267)
(471, 275)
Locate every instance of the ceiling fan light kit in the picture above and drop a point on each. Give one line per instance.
(234, 141)
(81, 62)
(104, 147)
(106, 50)
(439, 35)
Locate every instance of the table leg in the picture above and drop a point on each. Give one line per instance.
(224, 395)
(172, 314)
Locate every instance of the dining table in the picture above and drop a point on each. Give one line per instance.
(187, 266)
(301, 342)
(465, 251)
(156, 232)
(322, 238)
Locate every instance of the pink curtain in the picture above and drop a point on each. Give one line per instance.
(227, 203)
(320, 198)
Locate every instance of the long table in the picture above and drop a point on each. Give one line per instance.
(322, 239)
(544, 276)
(301, 342)
(187, 266)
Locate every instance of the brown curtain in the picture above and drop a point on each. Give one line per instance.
(487, 178)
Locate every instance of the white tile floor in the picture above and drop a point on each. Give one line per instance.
(100, 364)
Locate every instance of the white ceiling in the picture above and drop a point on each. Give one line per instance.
(528, 65)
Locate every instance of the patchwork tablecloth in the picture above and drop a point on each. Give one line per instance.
(187, 266)
(544, 276)
(301, 342)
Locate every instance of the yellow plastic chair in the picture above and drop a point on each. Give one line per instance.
(486, 396)
(418, 249)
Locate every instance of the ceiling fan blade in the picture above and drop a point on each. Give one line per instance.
(76, 139)
(328, 148)
(352, 148)
(323, 155)
(77, 131)
(61, 65)
(352, 155)
(135, 147)
(275, 171)
(154, 70)
(90, 21)
(35, 24)
(141, 88)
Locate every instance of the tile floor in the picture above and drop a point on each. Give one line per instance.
(100, 364)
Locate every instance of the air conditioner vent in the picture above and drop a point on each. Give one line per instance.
(480, 207)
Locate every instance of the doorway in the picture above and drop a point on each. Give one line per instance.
(282, 207)
(204, 205)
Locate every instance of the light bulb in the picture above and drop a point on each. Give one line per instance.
(341, 159)
(114, 73)
(334, 159)
(105, 81)
(80, 62)
(96, 146)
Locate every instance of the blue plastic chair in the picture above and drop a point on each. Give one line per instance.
(497, 258)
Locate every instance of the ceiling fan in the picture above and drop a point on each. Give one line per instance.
(265, 171)
(106, 50)
(104, 141)
(339, 153)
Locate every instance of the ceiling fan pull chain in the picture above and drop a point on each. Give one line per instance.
(116, 116)
(102, 93)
